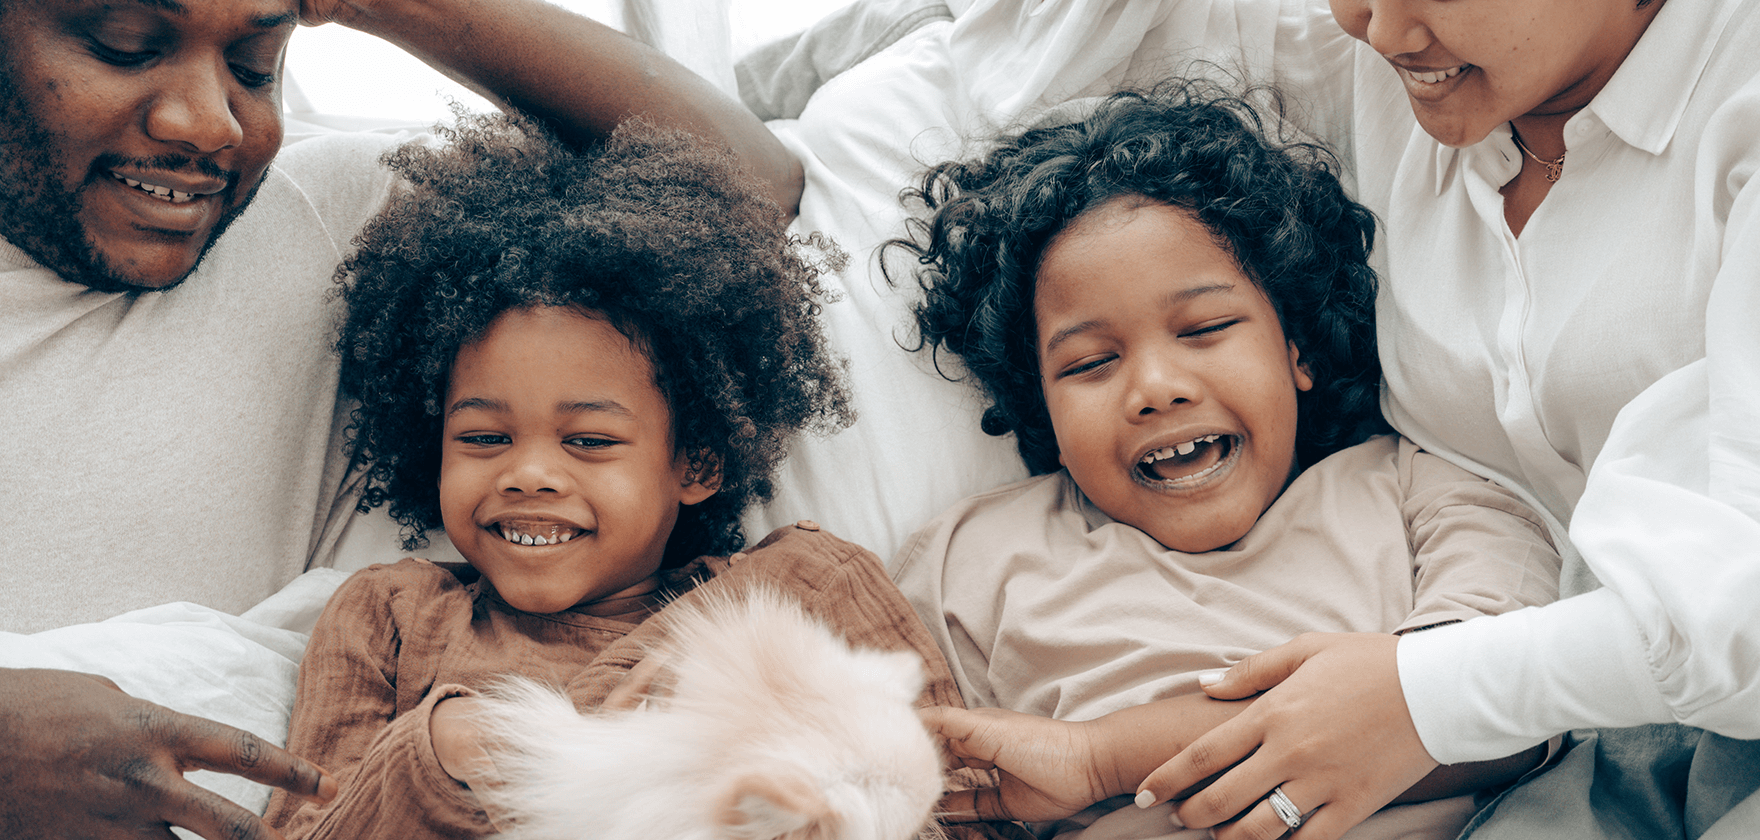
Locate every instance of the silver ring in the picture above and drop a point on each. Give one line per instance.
(1285, 809)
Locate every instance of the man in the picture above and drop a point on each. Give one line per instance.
(165, 329)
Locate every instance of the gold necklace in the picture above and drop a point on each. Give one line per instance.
(1554, 168)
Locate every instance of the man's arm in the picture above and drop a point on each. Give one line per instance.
(581, 76)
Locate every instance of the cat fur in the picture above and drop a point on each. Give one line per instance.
(773, 727)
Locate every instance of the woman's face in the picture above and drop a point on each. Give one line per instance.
(1468, 65)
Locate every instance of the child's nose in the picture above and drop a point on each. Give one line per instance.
(533, 469)
(1160, 384)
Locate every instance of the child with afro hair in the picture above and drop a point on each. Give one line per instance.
(584, 365)
(1172, 312)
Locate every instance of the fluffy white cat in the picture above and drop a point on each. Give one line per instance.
(773, 728)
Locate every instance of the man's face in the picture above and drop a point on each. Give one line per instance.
(133, 131)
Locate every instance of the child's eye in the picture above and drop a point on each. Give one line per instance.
(590, 442)
(1208, 330)
(483, 439)
(1084, 366)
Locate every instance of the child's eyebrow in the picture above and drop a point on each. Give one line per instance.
(1173, 299)
(565, 407)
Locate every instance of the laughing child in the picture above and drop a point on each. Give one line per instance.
(1174, 317)
(584, 365)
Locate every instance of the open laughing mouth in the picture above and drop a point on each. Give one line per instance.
(535, 533)
(1188, 462)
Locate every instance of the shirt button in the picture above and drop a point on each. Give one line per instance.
(807, 525)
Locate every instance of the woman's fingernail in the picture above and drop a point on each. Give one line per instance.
(1209, 678)
(1145, 799)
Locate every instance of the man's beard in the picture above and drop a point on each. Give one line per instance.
(41, 217)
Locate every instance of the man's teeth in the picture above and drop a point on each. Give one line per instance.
(1184, 448)
(166, 193)
(558, 534)
(1433, 78)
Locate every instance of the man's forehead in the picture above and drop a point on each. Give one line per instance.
(261, 14)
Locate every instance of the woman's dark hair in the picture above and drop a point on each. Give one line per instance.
(1192, 144)
(652, 230)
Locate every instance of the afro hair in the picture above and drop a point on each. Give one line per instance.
(652, 230)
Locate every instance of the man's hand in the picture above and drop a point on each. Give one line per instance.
(1046, 768)
(1332, 729)
(79, 758)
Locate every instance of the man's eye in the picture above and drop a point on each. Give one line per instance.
(251, 78)
(121, 58)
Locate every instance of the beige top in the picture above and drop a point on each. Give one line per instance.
(1043, 604)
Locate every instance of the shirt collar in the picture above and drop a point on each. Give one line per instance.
(1642, 104)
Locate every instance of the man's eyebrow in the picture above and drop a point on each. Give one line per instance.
(264, 22)
(1175, 298)
(276, 21)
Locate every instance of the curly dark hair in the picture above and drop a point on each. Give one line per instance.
(654, 231)
(1276, 206)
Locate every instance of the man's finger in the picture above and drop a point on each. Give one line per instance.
(199, 743)
(212, 816)
(1261, 671)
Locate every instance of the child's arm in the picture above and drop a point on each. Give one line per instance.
(1048, 769)
(346, 716)
(571, 71)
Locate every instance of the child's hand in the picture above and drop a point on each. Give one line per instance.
(455, 738)
(1046, 768)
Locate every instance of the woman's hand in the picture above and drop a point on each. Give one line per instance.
(80, 758)
(1332, 729)
(1046, 768)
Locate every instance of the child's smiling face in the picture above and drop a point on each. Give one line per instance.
(556, 436)
(1169, 382)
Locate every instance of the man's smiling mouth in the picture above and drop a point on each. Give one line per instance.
(158, 191)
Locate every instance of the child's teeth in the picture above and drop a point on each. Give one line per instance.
(1186, 448)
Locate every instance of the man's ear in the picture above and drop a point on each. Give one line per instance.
(702, 477)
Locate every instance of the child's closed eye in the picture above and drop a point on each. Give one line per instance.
(483, 439)
(1084, 366)
(1209, 330)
